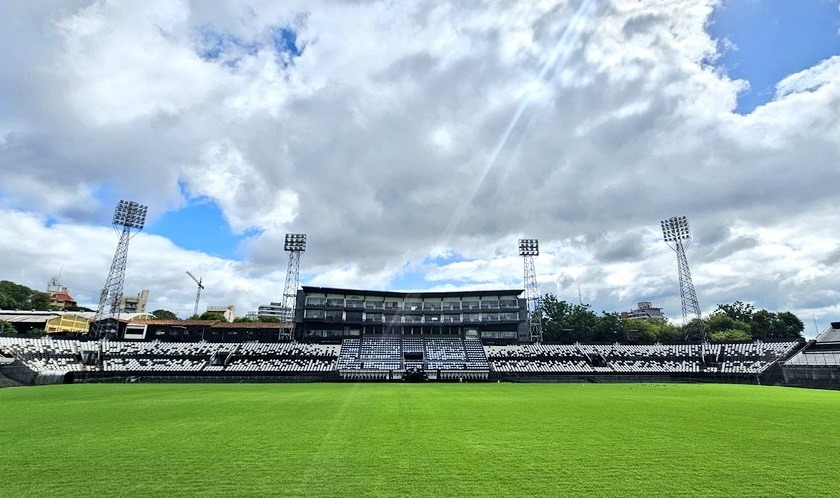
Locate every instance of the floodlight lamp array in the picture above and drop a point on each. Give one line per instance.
(675, 228)
(130, 214)
(529, 247)
(295, 242)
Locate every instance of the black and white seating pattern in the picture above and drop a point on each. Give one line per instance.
(739, 358)
(388, 356)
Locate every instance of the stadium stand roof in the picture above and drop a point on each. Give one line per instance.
(18, 317)
(333, 290)
(831, 334)
(35, 318)
(251, 325)
(182, 323)
(211, 324)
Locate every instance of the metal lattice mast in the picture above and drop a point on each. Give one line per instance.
(129, 218)
(529, 249)
(197, 292)
(295, 245)
(675, 230)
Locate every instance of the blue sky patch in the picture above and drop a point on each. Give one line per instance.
(773, 38)
(413, 277)
(285, 43)
(199, 226)
(218, 46)
(416, 280)
(451, 257)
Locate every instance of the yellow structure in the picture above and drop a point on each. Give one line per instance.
(68, 323)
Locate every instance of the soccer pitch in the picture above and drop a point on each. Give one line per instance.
(418, 439)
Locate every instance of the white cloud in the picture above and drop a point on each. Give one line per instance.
(812, 79)
(33, 252)
(128, 61)
(245, 195)
(380, 142)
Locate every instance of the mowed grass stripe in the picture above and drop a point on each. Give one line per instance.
(422, 440)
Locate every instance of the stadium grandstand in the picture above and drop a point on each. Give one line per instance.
(357, 335)
(386, 358)
(817, 364)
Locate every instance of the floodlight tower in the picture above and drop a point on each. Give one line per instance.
(129, 218)
(675, 230)
(197, 292)
(529, 249)
(295, 244)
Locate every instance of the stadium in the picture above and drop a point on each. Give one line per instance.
(383, 393)
(412, 351)
(245, 418)
(373, 392)
(341, 334)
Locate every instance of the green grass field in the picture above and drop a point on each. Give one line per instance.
(418, 439)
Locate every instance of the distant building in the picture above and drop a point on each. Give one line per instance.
(129, 304)
(229, 312)
(645, 311)
(275, 310)
(59, 297)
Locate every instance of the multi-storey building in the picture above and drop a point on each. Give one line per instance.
(134, 304)
(274, 310)
(644, 311)
(229, 312)
(60, 298)
(494, 316)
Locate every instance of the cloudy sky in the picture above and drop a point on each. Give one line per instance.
(415, 142)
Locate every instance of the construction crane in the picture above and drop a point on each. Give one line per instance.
(197, 292)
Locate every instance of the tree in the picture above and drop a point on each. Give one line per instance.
(213, 315)
(164, 315)
(609, 329)
(268, 319)
(78, 308)
(729, 335)
(738, 310)
(565, 323)
(7, 328)
(649, 331)
(759, 324)
(40, 301)
(717, 322)
(13, 296)
(789, 325)
(20, 297)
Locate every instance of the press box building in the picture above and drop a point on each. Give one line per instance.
(331, 314)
